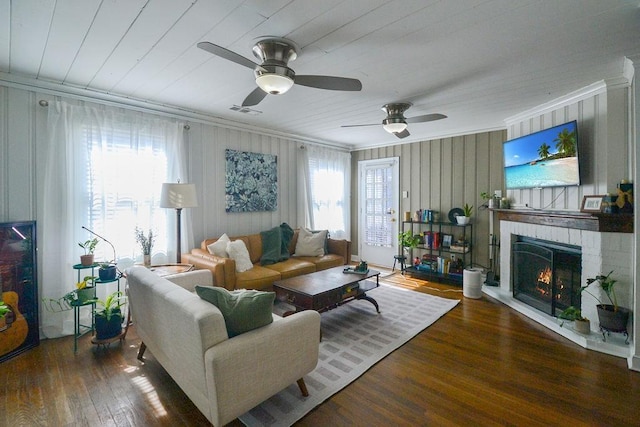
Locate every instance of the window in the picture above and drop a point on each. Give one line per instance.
(327, 186)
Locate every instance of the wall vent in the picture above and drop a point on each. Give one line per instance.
(245, 110)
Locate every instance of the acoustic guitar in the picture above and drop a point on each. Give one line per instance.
(13, 325)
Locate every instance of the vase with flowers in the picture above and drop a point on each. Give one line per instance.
(146, 244)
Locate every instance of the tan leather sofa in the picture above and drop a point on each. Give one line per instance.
(262, 277)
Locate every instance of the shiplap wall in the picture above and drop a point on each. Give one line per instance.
(207, 145)
(605, 149)
(443, 174)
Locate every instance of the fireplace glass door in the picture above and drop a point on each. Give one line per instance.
(546, 275)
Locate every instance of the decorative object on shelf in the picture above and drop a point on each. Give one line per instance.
(108, 316)
(609, 205)
(573, 314)
(466, 215)
(107, 272)
(504, 203)
(407, 216)
(592, 204)
(146, 244)
(454, 213)
(611, 317)
(408, 240)
(625, 196)
(178, 196)
(89, 247)
(361, 268)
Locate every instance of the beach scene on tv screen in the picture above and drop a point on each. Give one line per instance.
(547, 158)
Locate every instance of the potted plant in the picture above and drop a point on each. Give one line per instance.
(581, 324)
(610, 316)
(89, 247)
(146, 244)
(84, 292)
(463, 220)
(107, 271)
(408, 240)
(108, 316)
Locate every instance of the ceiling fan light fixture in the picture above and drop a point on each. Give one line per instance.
(274, 84)
(392, 125)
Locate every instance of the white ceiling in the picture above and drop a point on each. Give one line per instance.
(476, 61)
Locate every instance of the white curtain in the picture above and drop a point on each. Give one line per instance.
(104, 171)
(324, 189)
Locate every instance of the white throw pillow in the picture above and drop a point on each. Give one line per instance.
(219, 247)
(310, 244)
(238, 251)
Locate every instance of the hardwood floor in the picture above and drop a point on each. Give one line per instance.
(481, 364)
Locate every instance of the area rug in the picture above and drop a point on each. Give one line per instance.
(354, 338)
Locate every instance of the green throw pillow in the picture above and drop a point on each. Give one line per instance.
(271, 246)
(243, 310)
(287, 235)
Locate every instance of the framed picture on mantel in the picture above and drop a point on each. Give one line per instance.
(591, 204)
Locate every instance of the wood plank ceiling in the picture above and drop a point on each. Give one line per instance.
(476, 61)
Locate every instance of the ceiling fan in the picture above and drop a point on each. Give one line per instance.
(273, 76)
(396, 122)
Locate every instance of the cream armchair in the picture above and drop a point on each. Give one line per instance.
(223, 377)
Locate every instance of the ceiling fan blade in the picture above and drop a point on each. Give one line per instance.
(355, 126)
(227, 54)
(425, 118)
(405, 133)
(329, 82)
(254, 97)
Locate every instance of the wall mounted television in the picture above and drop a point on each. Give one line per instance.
(548, 158)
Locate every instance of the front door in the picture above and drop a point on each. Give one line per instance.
(378, 214)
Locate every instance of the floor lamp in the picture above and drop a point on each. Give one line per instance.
(178, 196)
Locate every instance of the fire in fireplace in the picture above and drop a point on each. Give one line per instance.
(546, 275)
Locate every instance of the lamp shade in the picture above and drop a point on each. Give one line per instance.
(392, 125)
(178, 196)
(274, 84)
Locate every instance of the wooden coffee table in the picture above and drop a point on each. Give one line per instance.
(326, 289)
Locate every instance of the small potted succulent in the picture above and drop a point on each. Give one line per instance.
(89, 247)
(464, 219)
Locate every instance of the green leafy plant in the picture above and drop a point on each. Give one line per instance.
(111, 305)
(485, 196)
(86, 282)
(145, 241)
(467, 210)
(571, 313)
(608, 287)
(89, 246)
(4, 308)
(408, 240)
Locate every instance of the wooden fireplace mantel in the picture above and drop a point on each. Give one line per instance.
(599, 222)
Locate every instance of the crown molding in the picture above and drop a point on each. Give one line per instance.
(145, 106)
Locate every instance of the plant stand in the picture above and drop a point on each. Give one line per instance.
(605, 332)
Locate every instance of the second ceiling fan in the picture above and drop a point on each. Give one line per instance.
(396, 123)
(273, 76)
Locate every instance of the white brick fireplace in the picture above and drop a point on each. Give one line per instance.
(601, 253)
